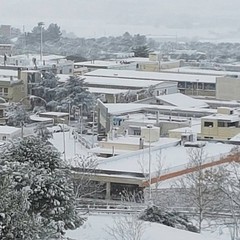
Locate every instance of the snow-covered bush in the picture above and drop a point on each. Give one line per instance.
(172, 219)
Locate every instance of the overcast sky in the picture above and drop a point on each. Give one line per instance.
(111, 17)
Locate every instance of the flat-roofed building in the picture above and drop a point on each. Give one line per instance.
(190, 84)
(12, 90)
(9, 133)
(223, 125)
(58, 117)
(102, 64)
(135, 88)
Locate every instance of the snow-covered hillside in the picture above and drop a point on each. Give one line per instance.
(95, 228)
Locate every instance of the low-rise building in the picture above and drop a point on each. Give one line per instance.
(57, 63)
(189, 84)
(223, 125)
(9, 133)
(136, 89)
(58, 117)
(12, 90)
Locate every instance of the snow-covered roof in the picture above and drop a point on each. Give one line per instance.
(201, 71)
(56, 114)
(37, 56)
(124, 82)
(173, 158)
(193, 129)
(98, 63)
(40, 119)
(159, 76)
(8, 72)
(8, 130)
(182, 100)
(106, 90)
(224, 117)
(121, 108)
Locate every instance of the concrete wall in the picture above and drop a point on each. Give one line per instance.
(119, 146)
(17, 92)
(156, 66)
(228, 88)
(166, 126)
(14, 135)
(219, 133)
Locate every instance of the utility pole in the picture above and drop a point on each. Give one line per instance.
(40, 24)
(149, 162)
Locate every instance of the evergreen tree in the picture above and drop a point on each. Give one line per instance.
(53, 32)
(74, 93)
(37, 170)
(141, 51)
(17, 114)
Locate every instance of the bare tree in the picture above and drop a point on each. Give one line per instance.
(230, 187)
(198, 188)
(127, 227)
(156, 174)
(84, 170)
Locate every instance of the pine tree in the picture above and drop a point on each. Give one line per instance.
(36, 168)
(75, 93)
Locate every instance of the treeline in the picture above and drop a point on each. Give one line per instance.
(88, 48)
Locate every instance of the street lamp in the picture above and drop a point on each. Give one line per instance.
(64, 144)
(32, 97)
(40, 24)
(149, 162)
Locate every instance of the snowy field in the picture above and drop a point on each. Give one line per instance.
(97, 225)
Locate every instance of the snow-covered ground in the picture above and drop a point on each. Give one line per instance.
(71, 146)
(95, 228)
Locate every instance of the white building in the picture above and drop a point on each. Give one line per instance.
(8, 133)
(190, 84)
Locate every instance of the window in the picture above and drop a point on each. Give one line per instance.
(208, 124)
(210, 86)
(5, 91)
(189, 85)
(199, 85)
(181, 85)
(137, 132)
(232, 124)
(221, 124)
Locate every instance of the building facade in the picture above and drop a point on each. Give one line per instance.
(221, 126)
